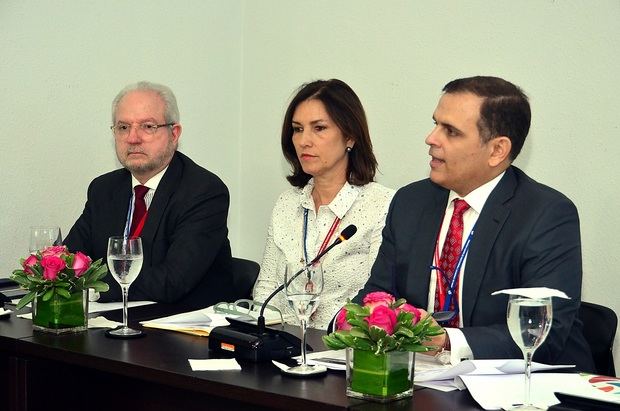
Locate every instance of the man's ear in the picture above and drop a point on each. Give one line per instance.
(499, 150)
(176, 133)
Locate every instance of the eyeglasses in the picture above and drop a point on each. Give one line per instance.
(249, 308)
(123, 129)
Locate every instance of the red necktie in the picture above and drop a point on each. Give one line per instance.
(449, 256)
(139, 211)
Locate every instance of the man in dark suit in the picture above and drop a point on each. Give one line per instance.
(187, 257)
(526, 234)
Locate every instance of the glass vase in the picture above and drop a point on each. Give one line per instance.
(383, 378)
(61, 315)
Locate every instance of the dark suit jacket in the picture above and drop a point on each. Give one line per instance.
(527, 235)
(187, 256)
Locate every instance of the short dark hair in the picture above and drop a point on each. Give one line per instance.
(505, 110)
(346, 110)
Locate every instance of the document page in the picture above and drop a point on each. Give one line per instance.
(200, 322)
(493, 392)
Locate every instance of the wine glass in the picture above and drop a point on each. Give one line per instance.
(42, 237)
(303, 287)
(529, 321)
(124, 262)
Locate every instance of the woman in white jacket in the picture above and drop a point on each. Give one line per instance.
(326, 140)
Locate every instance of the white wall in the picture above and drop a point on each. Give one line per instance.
(62, 64)
(235, 64)
(398, 55)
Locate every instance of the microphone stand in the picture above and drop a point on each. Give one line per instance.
(344, 235)
(260, 321)
(260, 343)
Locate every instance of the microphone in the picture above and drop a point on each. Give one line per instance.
(344, 236)
(258, 343)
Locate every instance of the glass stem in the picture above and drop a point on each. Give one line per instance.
(303, 342)
(528, 376)
(125, 303)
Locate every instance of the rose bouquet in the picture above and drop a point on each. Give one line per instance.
(56, 271)
(381, 325)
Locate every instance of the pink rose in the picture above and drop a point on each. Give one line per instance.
(410, 308)
(378, 298)
(81, 263)
(31, 261)
(52, 265)
(55, 250)
(341, 320)
(382, 317)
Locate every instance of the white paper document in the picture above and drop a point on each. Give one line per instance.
(280, 365)
(336, 360)
(96, 322)
(480, 367)
(534, 292)
(331, 359)
(218, 364)
(493, 392)
(95, 307)
(102, 322)
(199, 322)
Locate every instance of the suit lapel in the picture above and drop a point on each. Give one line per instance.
(490, 222)
(423, 245)
(166, 188)
(119, 204)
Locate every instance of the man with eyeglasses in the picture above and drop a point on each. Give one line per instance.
(178, 208)
(480, 225)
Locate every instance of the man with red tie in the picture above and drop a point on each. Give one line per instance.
(480, 225)
(178, 208)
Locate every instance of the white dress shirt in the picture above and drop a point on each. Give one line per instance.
(346, 267)
(151, 184)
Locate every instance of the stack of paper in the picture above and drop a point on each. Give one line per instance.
(494, 392)
(331, 359)
(496, 383)
(95, 307)
(449, 378)
(201, 322)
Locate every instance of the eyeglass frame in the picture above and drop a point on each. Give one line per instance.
(237, 308)
(153, 127)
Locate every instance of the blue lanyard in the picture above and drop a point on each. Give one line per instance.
(305, 234)
(457, 272)
(129, 216)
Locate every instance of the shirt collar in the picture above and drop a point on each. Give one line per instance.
(478, 197)
(339, 205)
(152, 182)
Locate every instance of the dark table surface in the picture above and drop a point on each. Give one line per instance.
(158, 364)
